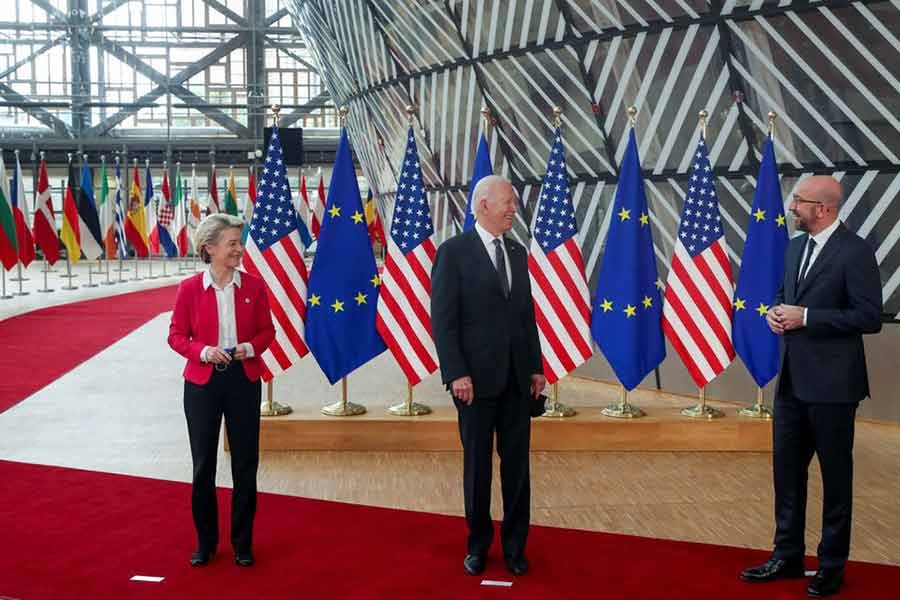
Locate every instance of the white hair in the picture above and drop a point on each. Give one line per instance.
(211, 228)
(483, 188)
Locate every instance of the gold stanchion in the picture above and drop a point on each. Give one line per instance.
(270, 408)
(757, 411)
(343, 408)
(623, 410)
(556, 408)
(409, 408)
(702, 410)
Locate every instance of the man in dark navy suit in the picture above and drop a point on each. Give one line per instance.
(829, 298)
(482, 317)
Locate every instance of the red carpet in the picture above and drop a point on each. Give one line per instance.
(42, 345)
(79, 534)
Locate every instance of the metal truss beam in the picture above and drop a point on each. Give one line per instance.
(52, 11)
(289, 52)
(227, 12)
(164, 83)
(276, 16)
(320, 101)
(41, 114)
(98, 16)
(32, 56)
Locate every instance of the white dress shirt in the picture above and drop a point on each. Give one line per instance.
(821, 239)
(488, 240)
(227, 321)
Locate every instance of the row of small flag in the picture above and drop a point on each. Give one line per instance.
(346, 312)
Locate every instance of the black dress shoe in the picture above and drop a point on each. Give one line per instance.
(243, 559)
(825, 583)
(773, 569)
(517, 565)
(201, 557)
(474, 564)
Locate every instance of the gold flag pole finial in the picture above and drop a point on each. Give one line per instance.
(411, 110)
(703, 117)
(772, 117)
(557, 117)
(632, 114)
(488, 120)
(343, 114)
(276, 108)
(42, 154)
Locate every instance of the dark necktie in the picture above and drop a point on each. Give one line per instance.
(501, 267)
(809, 252)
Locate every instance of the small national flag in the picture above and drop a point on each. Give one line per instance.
(90, 237)
(179, 205)
(275, 253)
(404, 303)
(107, 212)
(344, 282)
(71, 229)
(44, 219)
(373, 220)
(121, 242)
(556, 269)
(213, 200)
(231, 206)
(761, 273)
(150, 209)
(9, 254)
(166, 225)
(136, 223)
(319, 207)
(251, 202)
(24, 241)
(699, 289)
(195, 214)
(483, 168)
(627, 310)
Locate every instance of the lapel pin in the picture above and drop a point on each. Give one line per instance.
(246, 300)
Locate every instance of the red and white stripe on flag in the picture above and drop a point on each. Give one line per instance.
(556, 270)
(403, 316)
(697, 310)
(561, 307)
(282, 268)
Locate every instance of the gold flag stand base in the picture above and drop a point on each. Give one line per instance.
(757, 411)
(623, 410)
(556, 409)
(409, 408)
(270, 408)
(702, 410)
(343, 408)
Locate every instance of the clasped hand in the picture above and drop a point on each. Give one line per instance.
(784, 317)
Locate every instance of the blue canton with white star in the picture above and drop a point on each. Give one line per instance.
(274, 216)
(555, 222)
(701, 224)
(411, 224)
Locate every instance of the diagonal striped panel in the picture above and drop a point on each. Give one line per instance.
(596, 16)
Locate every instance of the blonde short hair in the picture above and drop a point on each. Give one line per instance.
(211, 228)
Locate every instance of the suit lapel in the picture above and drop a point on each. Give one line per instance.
(792, 271)
(481, 258)
(823, 259)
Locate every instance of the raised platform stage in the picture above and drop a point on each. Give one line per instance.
(663, 429)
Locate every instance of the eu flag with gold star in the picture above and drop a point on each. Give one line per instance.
(627, 313)
(343, 285)
(762, 269)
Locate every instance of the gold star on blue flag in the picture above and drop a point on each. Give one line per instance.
(340, 329)
(627, 311)
(762, 269)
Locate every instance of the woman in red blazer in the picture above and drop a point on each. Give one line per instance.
(221, 324)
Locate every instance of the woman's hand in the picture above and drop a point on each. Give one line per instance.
(217, 356)
(240, 353)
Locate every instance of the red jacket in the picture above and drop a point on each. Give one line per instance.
(195, 324)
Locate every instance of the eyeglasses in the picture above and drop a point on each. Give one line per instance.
(802, 200)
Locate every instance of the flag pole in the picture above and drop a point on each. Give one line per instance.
(556, 409)
(141, 200)
(108, 258)
(120, 251)
(45, 270)
(91, 272)
(3, 294)
(166, 257)
(19, 278)
(760, 410)
(69, 275)
(270, 408)
(343, 408)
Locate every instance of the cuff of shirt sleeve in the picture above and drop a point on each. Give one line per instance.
(804, 316)
(248, 348)
(204, 354)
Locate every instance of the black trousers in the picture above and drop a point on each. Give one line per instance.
(230, 394)
(800, 430)
(508, 415)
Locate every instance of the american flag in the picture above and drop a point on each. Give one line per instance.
(556, 269)
(404, 307)
(275, 253)
(699, 290)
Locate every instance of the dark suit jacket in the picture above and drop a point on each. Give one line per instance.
(476, 330)
(842, 294)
